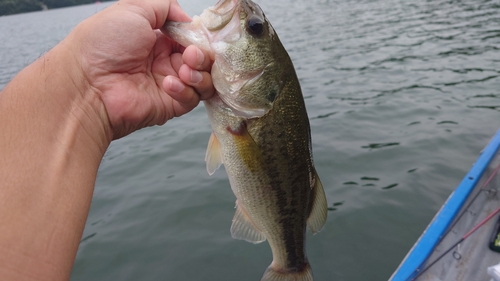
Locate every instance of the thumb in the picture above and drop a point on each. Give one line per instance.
(176, 13)
(157, 12)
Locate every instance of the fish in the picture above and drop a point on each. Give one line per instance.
(260, 132)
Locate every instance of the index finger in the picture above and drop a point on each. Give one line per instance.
(197, 59)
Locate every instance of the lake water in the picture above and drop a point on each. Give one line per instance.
(402, 96)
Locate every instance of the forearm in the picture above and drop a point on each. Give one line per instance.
(113, 74)
(52, 139)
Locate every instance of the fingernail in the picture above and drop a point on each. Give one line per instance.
(175, 85)
(200, 57)
(196, 77)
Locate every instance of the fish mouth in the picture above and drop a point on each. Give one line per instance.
(224, 10)
(218, 16)
(224, 6)
(212, 25)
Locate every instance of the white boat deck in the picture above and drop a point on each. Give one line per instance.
(469, 260)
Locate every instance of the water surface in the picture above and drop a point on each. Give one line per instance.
(402, 96)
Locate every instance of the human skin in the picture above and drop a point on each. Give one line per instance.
(112, 75)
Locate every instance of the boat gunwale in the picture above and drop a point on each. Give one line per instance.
(422, 249)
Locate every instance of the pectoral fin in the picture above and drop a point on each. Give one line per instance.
(248, 150)
(243, 228)
(213, 158)
(317, 217)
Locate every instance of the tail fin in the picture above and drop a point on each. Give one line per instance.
(273, 275)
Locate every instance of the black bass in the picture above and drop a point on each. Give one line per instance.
(260, 133)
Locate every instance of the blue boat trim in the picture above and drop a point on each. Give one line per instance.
(431, 236)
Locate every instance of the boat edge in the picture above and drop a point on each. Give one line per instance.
(422, 249)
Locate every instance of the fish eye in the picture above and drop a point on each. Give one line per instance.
(255, 26)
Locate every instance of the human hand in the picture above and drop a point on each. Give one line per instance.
(140, 75)
(113, 74)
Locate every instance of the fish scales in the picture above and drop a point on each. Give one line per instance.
(261, 133)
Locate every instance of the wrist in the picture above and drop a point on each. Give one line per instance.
(86, 117)
(54, 134)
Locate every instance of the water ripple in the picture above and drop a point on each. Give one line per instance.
(376, 74)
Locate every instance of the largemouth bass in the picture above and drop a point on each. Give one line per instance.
(260, 133)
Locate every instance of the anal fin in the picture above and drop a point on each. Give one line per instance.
(244, 229)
